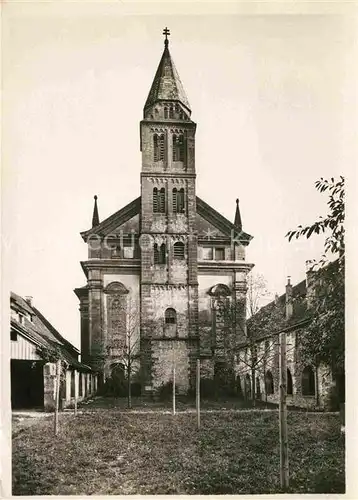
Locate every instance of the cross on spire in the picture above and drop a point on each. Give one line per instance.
(166, 32)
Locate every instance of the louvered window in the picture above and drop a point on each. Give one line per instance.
(178, 147)
(178, 201)
(158, 146)
(155, 200)
(179, 250)
(159, 200)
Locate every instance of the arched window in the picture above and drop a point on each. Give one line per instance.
(269, 383)
(178, 201)
(289, 382)
(238, 387)
(170, 316)
(179, 250)
(155, 200)
(158, 147)
(178, 147)
(171, 113)
(159, 200)
(308, 382)
(159, 253)
(116, 252)
(165, 112)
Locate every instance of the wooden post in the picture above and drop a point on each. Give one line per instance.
(173, 378)
(57, 394)
(284, 471)
(198, 391)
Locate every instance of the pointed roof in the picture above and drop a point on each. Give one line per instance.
(95, 217)
(167, 85)
(237, 221)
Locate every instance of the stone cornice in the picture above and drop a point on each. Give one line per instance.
(168, 175)
(111, 265)
(224, 265)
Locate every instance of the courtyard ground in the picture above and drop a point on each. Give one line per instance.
(234, 452)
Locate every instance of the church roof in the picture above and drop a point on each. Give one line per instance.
(167, 85)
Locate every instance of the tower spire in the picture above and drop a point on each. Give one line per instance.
(167, 85)
(237, 221)
(95, 217)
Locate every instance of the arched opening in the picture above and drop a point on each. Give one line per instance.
(178, 147)
(159, 253)
(178, 201)
(289, 382)
(170, 317)
(73, 383)
(238, 387)
(308, 382)
(269, 383)
(179, 250)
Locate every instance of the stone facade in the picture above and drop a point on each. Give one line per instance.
(307, 386)
(165, 252)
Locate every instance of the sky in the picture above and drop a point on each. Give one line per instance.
(272, 96)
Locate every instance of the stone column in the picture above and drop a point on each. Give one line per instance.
(83, 375)
(76, 384)
(68, 386)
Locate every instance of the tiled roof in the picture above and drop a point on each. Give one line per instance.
(167, 85)
(42, 333)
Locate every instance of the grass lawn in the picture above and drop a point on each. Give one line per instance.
(112, 452)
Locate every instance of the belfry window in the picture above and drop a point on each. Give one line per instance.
(158, 146)
(171, 113)
(178, 201)
(178, 147)
(159, 200)
(159, 253)
(179, 251)
(165, 112)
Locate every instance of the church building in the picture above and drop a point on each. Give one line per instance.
(161, 269)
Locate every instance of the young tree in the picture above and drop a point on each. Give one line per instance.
(257, 292)
(324, 341)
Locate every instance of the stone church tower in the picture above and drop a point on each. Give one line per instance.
(161, 270)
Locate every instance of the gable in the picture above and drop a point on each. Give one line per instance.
(117, 221)
(206, 229)
(207, 220)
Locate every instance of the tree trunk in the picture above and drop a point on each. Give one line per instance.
(129, 385)
(253, 385)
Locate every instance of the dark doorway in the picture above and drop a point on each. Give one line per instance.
(27, 384)
(289, 383)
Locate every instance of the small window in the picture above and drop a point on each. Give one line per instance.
(308, 382)
(171, 113)
(21, 319)
(219, 254)
(13, 335)
(179, 251)
(165, 112)
(207, 253)
(170, 316)
(116, 252)
(128, 252)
